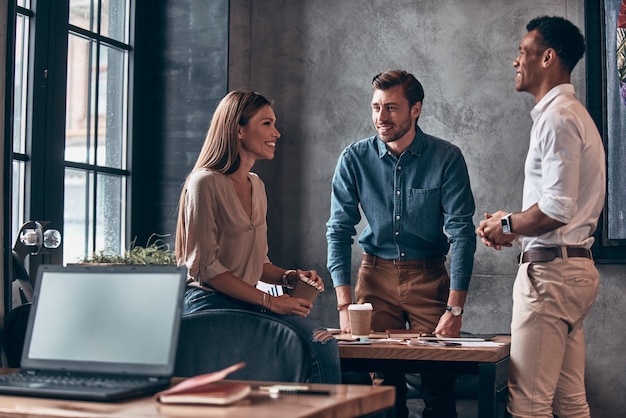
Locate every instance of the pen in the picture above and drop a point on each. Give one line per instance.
(293, 390)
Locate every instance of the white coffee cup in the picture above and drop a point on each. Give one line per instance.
(360, 319)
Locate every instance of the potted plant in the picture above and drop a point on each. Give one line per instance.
(156, 252)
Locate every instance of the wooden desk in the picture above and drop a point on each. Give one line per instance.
(491, 364)
(346, 401)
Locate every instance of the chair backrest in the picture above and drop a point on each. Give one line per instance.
(14, 333)
(217, 338)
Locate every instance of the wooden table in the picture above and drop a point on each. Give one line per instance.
(491, 364)
(346, 401)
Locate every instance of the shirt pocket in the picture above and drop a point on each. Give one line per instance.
(424, 205)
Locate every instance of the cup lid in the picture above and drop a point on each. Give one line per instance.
(360, 307)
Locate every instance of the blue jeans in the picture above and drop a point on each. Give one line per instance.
(325, 366)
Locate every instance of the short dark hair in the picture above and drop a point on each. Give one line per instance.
(561, 35)
(413, 90)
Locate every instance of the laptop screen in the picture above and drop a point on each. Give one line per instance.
(108, 319)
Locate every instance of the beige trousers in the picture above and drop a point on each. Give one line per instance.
(547, 372)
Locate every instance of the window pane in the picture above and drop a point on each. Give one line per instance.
(83, 14)
(96, 103)
(79, 120)
(112, 97)
(17, 197)
(79, 222)
(114, 22)
(24, 3)
(20, 83)
(111, 207)
(78, 216)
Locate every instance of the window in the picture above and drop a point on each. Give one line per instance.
(70, 121)
(96, 134)
(20, 93)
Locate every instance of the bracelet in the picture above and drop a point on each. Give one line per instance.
(285, 278)
(266, 303)
(343, 305)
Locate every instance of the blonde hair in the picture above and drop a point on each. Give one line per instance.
(220, 150)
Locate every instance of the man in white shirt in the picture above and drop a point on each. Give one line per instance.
(564, 190)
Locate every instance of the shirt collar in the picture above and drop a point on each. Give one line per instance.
(545, 101)
(415, 148)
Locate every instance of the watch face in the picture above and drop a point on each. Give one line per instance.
(455, 310)
(506, 224)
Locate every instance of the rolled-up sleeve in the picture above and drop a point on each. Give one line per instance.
(201, 246)
(560, 168)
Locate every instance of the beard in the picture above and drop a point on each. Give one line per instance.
(396, 132)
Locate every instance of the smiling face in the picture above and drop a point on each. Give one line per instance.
(393, 118)
(528, 64)
(258, 137)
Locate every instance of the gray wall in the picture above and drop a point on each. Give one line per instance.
(316, 58)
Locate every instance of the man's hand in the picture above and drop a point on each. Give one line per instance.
(449, 325)
(490, 231)
(344, 321)
(344, 298)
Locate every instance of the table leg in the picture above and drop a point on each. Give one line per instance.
(492, 385)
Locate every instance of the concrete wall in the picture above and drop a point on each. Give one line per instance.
(316, 59)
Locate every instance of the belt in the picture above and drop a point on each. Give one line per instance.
(542, 255)
(423, 263)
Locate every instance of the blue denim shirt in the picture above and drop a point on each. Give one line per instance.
(417, 206)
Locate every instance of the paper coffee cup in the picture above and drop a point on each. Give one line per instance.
(360, 319)
(303, 289)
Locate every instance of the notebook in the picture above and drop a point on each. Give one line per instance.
(97, 324)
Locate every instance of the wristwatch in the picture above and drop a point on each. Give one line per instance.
(507, 228)
(455, 310)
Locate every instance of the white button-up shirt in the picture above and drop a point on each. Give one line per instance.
(565, 170)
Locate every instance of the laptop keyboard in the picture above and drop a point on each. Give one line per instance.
(72, 381)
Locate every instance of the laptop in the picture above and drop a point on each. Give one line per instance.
(100, 333)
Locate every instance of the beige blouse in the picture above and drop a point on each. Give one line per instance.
(219, 234)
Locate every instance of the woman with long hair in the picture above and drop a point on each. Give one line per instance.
(221, 234)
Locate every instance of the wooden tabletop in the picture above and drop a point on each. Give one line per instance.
(398, 351)
(346, 401)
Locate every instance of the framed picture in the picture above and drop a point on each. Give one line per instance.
(615, 64)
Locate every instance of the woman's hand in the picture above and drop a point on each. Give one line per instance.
(286, 305)
(312, 278)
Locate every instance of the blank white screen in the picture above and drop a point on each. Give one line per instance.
(111, 318)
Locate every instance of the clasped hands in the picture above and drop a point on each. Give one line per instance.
(490, 231)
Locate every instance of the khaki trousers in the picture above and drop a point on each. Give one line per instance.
(403, 293)
(547, 372)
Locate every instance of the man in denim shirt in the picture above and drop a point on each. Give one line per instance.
(414, 191)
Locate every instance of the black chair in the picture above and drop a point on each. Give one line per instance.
(214, 339)
(33, 238)
(14, 333)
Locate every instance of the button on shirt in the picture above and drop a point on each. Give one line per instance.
(407, 201)
(564, 170)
